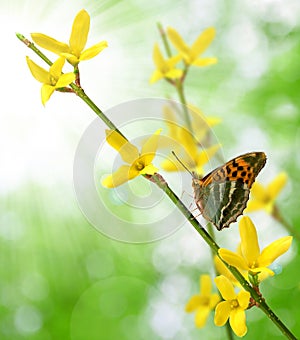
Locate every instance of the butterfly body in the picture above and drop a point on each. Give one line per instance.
(222, 195)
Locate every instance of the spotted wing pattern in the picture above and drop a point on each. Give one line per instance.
(222, 195)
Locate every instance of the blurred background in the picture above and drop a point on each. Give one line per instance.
(62, 279)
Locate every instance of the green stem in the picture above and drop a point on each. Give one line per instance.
(31, 45)
(180, 205)
(81, 94)
(164, 39)
(179, 83)
(229, 332)
(228, 329)
(180, 91)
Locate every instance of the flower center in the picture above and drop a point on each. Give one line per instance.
(234, 304)
(266, 199)
(205, 301)
(53, 80)
(139, 165)
(253, 265)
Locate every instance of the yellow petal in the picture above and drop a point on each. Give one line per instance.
(233, 259)
(206, 154)
(266, 272)
(214, 299)
(72, 59)
(171, 62)
(188, 142)
(174, 74)
(170, 121)
(128, 151)
(199, 124)
(205, 61)
(46, 92)
(258, 192)
(203, 41)
(212, 121)
(150, 146)
(205, 285)
(56, 67)
(194, 302)
(274, 250)
(93, 51)
(201, 316)
(249, 241)
(222, 313)
(243, 298)
(156, 75)
(225, 287)
(223, 270)
(122, 175)
(150, 169)
(158, 58)
(277, 185)
(49, 43)
(177, 40)
(254, 205)
(80, 31)
(238, 322)
(38, 72)
(65, 80)
(169, 165)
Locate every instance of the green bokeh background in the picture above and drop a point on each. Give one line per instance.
(59, 277)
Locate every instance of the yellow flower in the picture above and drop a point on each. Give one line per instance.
(191, 54)
(204, 302)
(233, 307)
(51, 80)
(200, 123)
(74, 51)
(264, 197)
(191, 157)
(223, 270)
(138, 163)
(250, 257)
(165, 68)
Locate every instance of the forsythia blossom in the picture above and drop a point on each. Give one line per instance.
(251, 258)
(264, 197)
(233, 306)
(73, 51)
(138, 163)
(204, 302)
(191, 54)
(165, 68)
(189, 152)
(52, 79)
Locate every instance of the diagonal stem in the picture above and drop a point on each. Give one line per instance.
(178, 83)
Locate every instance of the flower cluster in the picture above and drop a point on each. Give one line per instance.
(249, 260)
(73, 52)
(165, 68)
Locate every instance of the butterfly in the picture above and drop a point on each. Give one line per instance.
(222, 195)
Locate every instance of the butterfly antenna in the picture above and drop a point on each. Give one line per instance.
(186, 168)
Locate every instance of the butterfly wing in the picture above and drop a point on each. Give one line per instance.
(225, 202)
(222, 195)
(245, 167)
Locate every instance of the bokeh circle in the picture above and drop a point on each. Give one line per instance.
(137, 211)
